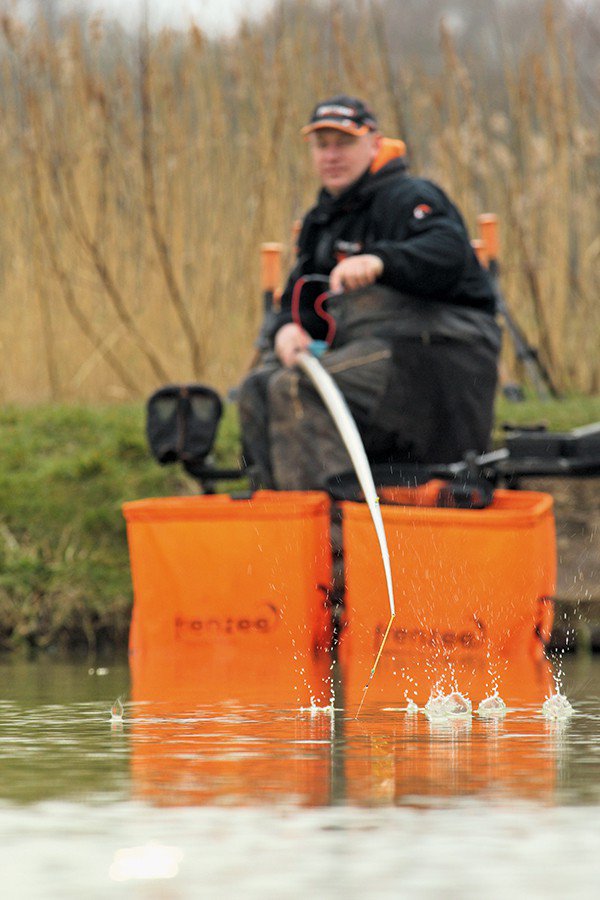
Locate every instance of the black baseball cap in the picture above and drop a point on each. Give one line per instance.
(345, 113)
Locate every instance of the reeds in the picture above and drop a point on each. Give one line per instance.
(139, 177)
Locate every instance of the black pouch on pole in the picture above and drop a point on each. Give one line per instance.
(181, 423)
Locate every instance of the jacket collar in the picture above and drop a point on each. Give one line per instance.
(359, 193)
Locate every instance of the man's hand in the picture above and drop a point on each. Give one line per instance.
(290, 340)
(355, 272)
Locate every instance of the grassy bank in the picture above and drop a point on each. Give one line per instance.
(64, 473)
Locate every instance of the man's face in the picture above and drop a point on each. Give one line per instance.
(339, 158)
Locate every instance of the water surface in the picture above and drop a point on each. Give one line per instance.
(182, 799)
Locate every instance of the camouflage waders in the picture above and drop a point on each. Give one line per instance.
(419, 378)
(289, 435)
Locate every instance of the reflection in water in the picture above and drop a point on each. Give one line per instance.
(192, 742)
(225, 755)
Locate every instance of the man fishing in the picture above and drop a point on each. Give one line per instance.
(405, 307)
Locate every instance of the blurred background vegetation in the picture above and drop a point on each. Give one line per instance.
(139, 174)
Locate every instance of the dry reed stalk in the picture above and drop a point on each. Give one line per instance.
(162, 248)
(48, 334)
(62, 166)
(454, 97)
(390, 78)
(48, 235)
(355, 75)
(73, 214)
(558, 217)
(82, 320)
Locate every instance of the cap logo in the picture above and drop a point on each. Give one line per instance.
(345, 111)
(422, 210)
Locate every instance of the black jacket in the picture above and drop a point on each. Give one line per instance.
(410, 224)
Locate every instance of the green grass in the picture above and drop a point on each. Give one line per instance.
(557, 415)
(64, 473)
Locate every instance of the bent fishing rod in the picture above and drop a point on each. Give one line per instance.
(334, 401)
(336, 405)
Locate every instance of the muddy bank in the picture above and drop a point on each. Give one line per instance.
(577, 512)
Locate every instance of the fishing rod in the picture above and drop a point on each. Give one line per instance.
(335, 403)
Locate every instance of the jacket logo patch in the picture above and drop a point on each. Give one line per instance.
(422, 210)
(344, 249)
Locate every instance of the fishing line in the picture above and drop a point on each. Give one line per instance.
(366, 688)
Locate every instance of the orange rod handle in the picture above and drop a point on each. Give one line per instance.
(480, 249)
(270, 266)
(488, 229)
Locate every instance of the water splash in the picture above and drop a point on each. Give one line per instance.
(435, 705)
(557, 707)
(116, 711)
(493, 706)
(455, 704)
(315, 710)
(496, 666)
(558, 656)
